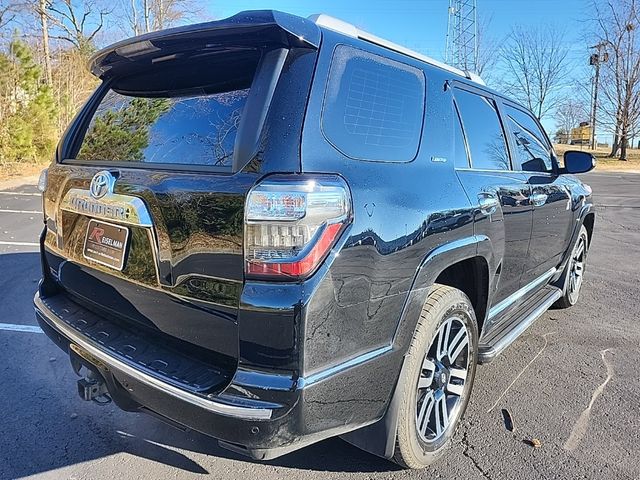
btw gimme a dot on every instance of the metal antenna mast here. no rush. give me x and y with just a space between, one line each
462 35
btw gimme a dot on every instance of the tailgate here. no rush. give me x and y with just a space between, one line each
182 266
145 204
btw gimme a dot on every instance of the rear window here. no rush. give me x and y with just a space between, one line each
373 106
191 129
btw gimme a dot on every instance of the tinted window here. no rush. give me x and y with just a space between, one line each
189 129
533 153
483 131
373 107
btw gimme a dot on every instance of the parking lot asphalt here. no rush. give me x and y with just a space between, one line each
572 381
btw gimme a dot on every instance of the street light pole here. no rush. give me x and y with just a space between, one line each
596 59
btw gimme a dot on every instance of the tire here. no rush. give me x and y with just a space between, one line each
574 277
423 434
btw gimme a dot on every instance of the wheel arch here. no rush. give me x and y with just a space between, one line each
469 254
471 276
587 219
589 222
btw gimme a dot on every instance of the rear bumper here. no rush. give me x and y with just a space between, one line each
310 409
57 322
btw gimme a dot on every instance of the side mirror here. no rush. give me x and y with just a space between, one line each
576 161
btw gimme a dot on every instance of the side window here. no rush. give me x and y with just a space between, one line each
373 106
533 152
483 131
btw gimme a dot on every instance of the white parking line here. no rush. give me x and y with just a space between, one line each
32 212
20 244
11 327
21 193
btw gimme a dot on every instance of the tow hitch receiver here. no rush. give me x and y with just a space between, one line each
92 385
90 388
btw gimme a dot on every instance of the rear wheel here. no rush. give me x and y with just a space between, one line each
576 266
438 376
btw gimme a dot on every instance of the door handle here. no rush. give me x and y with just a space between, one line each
488 203
538 199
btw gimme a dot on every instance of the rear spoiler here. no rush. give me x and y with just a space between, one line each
259 28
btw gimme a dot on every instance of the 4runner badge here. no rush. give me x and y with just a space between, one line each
101 184
99 201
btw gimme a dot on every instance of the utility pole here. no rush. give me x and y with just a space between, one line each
42 13
596 59
462 35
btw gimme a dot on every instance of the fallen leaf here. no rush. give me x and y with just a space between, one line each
534 442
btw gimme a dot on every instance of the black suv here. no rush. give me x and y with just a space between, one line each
276 230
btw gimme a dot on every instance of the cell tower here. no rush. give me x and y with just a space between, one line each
462 35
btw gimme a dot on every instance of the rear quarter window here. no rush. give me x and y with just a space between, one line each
373 106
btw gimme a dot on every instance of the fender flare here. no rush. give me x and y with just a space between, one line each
586 209
379 438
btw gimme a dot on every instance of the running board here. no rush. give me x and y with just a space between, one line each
521 319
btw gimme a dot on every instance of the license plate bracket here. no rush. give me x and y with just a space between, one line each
106 244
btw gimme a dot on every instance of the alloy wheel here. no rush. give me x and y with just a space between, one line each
576 272
442 381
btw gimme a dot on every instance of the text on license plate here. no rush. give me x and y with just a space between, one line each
106 243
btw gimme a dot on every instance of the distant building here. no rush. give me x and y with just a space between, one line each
581 135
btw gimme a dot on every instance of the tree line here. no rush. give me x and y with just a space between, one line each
45 45
44 49
534 65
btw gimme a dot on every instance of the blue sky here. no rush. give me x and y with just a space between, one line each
422 24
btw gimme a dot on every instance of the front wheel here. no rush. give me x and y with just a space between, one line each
438 375
576 265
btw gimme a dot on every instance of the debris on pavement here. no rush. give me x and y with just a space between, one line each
533 442
508 420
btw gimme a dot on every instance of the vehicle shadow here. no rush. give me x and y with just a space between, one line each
47 427
332 455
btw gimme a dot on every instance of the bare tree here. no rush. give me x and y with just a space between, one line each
144 16
617 27
487 50
7 13
570 112
535 67
77 25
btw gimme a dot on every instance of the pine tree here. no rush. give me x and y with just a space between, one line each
27 120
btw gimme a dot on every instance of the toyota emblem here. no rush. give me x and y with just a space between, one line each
101 184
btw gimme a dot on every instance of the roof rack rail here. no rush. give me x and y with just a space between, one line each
346 28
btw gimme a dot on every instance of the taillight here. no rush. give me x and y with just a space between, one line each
292 222
42 181
42 187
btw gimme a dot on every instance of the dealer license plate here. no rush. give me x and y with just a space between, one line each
106 244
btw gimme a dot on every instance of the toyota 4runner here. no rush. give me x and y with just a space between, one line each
276 230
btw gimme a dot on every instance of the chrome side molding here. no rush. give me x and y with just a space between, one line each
360 359
488 354
518 294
